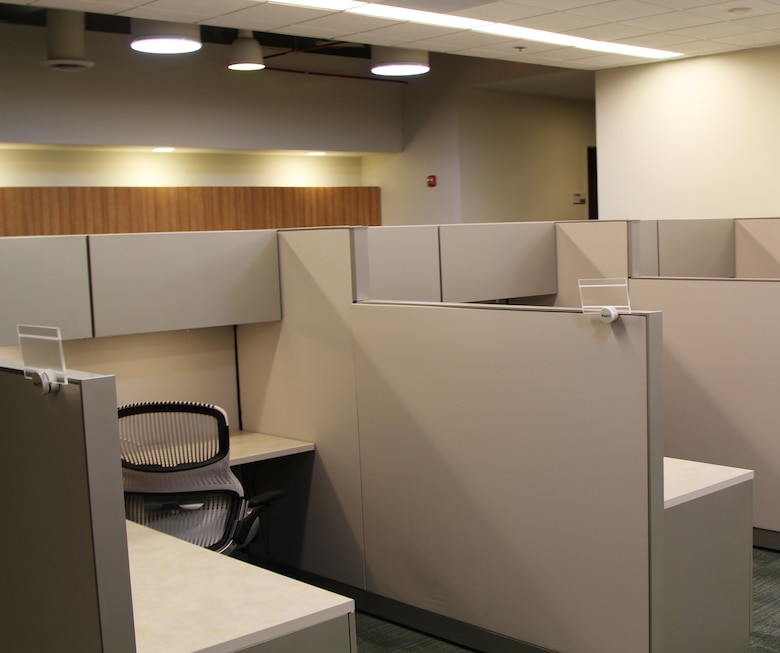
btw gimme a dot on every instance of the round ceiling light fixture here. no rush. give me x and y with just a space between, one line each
160 37
245 52
398 62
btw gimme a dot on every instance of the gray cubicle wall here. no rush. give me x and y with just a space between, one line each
401 263
512 470
66 580
683 248
149 282
721 376
44 280
588 250
297 380
757 248
482 262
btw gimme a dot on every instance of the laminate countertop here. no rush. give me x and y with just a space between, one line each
188 599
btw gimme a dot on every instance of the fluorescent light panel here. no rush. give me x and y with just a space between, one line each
401 14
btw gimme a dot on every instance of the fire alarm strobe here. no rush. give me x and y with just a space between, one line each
431 181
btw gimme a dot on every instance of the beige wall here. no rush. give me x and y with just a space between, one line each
72 166
497 156
188 101
522 158
696 138
187 365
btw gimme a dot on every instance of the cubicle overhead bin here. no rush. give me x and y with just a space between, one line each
482 262
683 248
402 262
44 280
757 248
588 250
512 470
185 280
66 575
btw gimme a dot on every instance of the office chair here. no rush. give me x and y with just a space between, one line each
177 478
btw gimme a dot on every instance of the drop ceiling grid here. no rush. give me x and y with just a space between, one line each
692 27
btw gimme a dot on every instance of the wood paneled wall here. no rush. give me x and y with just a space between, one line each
37 211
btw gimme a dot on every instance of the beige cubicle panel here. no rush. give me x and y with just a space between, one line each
757 245
482 262
512 470
588 250
721 376
44 281
696 248
402 263
643 248
166 281
66 575
297 380
190 365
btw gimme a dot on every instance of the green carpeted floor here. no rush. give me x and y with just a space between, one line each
377 636
765 636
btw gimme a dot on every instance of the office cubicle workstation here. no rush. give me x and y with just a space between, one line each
112 586
716 282
473 465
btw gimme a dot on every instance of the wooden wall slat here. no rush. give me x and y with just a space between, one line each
33 211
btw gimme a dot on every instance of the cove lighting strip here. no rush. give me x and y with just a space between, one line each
460 22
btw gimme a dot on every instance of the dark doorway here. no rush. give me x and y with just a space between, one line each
593 186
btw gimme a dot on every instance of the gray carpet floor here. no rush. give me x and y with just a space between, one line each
765 635
378 636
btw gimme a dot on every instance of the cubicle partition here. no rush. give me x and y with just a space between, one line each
721 375
66 574
512 470
757 248
716 282
588 250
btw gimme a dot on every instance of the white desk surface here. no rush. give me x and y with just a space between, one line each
249 447
187 599
685 480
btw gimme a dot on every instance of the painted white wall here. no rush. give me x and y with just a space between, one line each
697 138
497 157
484 147
46 166
522 157
431 148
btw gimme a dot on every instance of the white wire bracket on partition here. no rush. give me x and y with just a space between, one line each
42 356
607 298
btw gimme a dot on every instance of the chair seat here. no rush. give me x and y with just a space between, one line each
202 518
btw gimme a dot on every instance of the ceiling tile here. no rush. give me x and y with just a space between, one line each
610 32
669 21
501 12
767 21
720 11
619 10
406 32
752 39
346 24
560 22
100 7
203 7
267 17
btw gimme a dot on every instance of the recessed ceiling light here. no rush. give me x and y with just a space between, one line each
315 153
164 149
